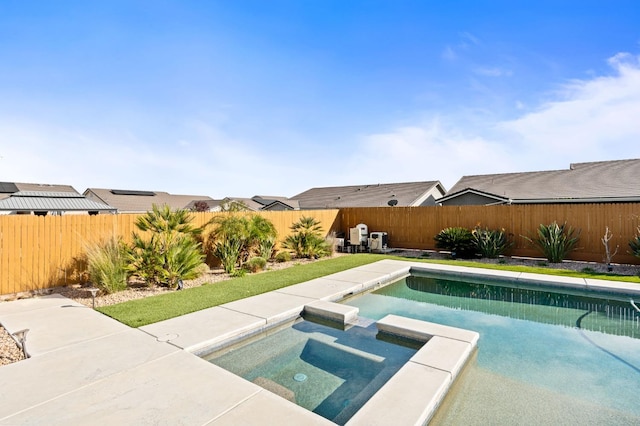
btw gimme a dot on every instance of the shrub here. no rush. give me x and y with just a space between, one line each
283 256
555 241
306 240
457 240
634 244
256 264
237 238
107 264
171 252
490 243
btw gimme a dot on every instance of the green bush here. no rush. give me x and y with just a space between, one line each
170 252
490 243
283 256
457 240
306 241
236 239
555 241
107 264
255 264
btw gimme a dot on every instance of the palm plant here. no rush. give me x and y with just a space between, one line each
171 252
555 241
262 235
306 240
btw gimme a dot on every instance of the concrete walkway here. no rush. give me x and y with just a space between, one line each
86 368
89 369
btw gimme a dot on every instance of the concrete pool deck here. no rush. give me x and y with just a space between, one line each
87 368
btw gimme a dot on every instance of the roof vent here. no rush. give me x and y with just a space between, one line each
128 192
392 203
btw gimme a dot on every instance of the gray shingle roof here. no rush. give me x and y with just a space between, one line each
595 181
141 201
27 201
376 195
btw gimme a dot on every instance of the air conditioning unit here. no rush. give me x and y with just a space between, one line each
378 241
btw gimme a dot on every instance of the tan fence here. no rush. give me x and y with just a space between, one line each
41 252
415 227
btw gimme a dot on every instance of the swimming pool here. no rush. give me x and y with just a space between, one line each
544 357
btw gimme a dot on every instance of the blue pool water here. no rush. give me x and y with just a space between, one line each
543 357
329 371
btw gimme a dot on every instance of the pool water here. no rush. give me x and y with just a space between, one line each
543 357
329 371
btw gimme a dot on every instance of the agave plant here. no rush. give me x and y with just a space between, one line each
555 241
490 243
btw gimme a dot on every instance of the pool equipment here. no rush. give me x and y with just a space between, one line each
378 241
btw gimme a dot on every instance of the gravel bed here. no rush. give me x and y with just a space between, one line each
10 352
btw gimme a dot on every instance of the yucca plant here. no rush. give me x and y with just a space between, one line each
490 243
107 265
555 241
457 240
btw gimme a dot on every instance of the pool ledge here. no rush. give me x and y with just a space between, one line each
413 394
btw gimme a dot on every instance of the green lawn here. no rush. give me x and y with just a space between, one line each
145 311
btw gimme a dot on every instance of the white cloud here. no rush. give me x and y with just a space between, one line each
590 120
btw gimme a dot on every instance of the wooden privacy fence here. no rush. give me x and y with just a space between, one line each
41 252
415 227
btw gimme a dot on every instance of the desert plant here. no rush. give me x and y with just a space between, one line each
634 244
107 265
262 236
170 253
306 240
237 238
555 241
255 264
457 240
283 256
490 243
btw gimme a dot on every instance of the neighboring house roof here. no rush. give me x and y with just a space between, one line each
135 201
274 202
262 202
28 197
409 194
604 181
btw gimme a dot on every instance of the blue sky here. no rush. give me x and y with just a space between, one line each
239 97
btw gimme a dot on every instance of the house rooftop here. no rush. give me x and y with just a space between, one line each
373 195
581 182
136 201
